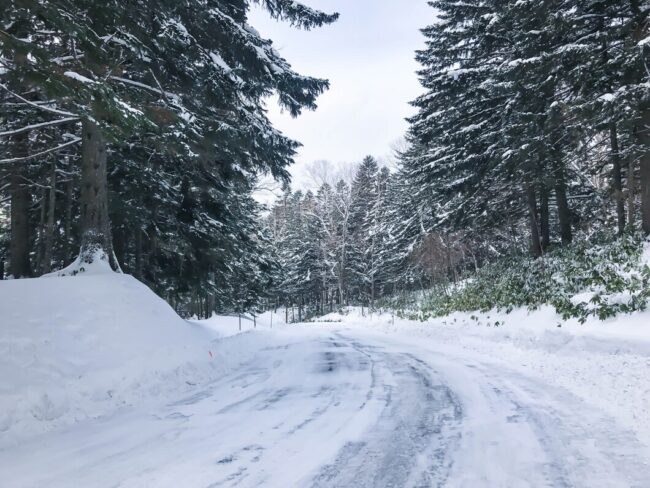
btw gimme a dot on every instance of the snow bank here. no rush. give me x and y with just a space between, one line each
607 363
73 348
229 325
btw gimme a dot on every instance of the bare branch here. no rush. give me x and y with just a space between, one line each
144 86
63 59
27 128
42 153
47 109
159 87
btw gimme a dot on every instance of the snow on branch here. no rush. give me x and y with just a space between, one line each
297 14
42 153
28 128
144 86
41 107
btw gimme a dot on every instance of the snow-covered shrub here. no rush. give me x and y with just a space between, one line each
600 276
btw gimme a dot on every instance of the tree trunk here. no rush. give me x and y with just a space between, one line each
96 241
617 179
643 134
138 253
149 250
535 243
544 222
19 263
564 215
639 32
120 245
645 192
40 248
49 228
644 171
631 196
69 197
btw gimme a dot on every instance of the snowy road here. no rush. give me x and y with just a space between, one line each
327 408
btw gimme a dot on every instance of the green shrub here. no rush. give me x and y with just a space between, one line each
597 276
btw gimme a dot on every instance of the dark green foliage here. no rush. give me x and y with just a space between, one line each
595 276
179 90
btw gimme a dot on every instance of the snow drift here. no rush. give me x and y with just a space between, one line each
77 347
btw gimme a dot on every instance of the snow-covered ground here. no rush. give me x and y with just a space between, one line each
103 385
606 363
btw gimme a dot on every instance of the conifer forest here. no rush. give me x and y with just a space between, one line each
135 132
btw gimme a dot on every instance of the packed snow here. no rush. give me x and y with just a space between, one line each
79 78
104 385
76 348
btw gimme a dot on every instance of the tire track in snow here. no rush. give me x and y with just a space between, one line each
413 437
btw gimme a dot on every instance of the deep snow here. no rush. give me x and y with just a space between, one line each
75 348
103 385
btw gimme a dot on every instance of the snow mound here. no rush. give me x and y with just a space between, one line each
230 325
73 348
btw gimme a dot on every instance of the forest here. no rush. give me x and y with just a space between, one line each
135 132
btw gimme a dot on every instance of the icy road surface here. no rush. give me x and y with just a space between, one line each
327 408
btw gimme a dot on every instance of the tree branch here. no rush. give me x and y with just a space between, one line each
159 87
143 86
27 128
39 154
47 109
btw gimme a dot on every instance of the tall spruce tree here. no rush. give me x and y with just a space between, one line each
191 76
172 98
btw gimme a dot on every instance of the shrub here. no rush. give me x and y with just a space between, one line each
598 276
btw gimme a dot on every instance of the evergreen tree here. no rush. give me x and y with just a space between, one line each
360 254
170 99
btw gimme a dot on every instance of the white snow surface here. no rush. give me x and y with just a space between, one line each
75 348
104 385
80 78
98 265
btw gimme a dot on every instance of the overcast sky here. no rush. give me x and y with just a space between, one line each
368 56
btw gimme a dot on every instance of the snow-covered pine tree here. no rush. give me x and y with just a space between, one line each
488 142
536 127
375 236
326 225
299 253
401 227
190 79
605 56
455 163
359 259
342 214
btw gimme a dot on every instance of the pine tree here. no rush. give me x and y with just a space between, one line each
150 67
363 197
177 94
343 202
